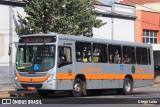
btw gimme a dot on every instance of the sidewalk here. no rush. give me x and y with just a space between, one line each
5 89
155 87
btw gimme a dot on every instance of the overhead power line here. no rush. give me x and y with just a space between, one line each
144 6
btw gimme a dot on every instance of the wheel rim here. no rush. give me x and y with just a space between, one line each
127 86
77 87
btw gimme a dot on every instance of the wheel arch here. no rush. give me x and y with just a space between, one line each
81 76
130 77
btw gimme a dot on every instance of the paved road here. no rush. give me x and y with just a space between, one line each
145 98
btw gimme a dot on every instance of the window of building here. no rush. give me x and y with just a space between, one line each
83 52
142 56
115 55
99 53
2 53
150 36
128 55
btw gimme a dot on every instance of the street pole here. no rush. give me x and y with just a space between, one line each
10 41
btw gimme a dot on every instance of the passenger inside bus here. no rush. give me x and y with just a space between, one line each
117 58
126 59
79 57
111 58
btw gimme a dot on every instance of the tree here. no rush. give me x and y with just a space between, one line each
75 17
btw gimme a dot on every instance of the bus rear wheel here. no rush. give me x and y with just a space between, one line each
77 88
127 87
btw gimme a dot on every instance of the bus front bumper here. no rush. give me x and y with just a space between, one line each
42 86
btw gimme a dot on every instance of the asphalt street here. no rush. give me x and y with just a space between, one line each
137 97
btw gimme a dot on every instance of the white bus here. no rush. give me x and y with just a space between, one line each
54 62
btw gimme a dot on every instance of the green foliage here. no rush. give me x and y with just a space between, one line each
61 16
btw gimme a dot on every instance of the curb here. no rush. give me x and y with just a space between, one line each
22 93
8 95
4 95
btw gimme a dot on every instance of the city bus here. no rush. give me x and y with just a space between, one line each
57 62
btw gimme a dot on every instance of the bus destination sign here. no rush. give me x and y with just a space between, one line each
38 39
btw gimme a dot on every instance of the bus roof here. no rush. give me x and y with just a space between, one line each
89 39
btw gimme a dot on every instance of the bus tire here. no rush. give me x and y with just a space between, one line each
127 87
77 88
43 93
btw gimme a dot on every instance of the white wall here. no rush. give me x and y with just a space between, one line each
123 30
104 31
4 30
120 29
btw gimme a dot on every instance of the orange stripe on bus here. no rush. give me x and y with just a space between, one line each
140 70
143 76
63 76
34 79
105 76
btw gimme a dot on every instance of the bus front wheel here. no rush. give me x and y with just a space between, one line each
77 87
127 87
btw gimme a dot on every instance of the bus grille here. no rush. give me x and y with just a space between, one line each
33 75
37 86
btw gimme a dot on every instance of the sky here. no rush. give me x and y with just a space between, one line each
107 1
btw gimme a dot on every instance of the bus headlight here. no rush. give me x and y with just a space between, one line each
16 79
50 78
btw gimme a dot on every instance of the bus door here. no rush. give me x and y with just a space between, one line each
65 66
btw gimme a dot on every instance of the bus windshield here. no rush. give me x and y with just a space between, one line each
35 58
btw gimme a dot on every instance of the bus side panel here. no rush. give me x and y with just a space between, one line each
146 71
94 84
117 82
141 83
93 73
110 84
65 84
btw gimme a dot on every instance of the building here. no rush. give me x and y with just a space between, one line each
140 2
148 26
8 23
117 17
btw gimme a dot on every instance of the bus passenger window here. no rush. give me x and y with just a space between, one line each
99 53
141 56
83 52
128 55
115 54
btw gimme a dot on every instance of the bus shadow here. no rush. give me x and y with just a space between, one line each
107 93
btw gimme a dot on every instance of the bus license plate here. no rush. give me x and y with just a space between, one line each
31 88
